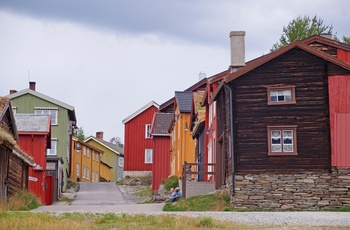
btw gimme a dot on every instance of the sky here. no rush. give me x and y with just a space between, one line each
109 58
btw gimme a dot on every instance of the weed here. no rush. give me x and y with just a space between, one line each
206 222
171 182
21 201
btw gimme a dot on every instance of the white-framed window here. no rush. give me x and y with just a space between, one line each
97 156
53 112
14 109
53 150
93 176
78 148
77 169
148 156
84 172
88 152
282 140
148 131
281 95
93 155
84 150
121 162
96 177
87 173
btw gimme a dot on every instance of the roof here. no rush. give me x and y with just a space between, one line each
86 144
296 44
141 110
32 123
197 128
161 123
108 145
184 101
23 156
166 105
71 111
197 85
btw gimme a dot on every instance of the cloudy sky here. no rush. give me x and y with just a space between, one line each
109 58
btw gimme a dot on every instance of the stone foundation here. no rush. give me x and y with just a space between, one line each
298 191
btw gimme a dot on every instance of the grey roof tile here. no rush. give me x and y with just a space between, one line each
161 124
184 101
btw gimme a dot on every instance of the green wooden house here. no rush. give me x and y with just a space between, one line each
63 120
112 155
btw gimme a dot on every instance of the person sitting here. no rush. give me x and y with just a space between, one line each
178 193
172 197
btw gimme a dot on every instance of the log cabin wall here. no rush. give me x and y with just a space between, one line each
15 175
4 154
310 113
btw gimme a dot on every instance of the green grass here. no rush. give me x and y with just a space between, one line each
211 202
27 220
21 201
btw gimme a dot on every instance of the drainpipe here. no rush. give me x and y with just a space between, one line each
232 141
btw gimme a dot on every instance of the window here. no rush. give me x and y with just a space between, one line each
84 172
97 156
53 112
77 169
88 152
93 176
87 173
281 95
121 162
148 131
53 150
14 110
93 154
96 177
84 150
148 156
282 140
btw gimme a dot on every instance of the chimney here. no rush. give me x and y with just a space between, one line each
12 91
32 85
237 50
202 76
329 36
99 135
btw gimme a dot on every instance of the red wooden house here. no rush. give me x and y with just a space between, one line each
161 151
283 123
34 133
138 144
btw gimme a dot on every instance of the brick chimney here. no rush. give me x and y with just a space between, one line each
12 91
99 135
32 85
237 50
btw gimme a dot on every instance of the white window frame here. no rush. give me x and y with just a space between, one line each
280 91
148 156
14 109
121 162
96 177
53 112
53 150
77 169
282 130
148 131
93 176
84 150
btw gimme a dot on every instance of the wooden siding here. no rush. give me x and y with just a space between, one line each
161 161
4 163
136 143
343 55
252 114
26 104
339 106
16 180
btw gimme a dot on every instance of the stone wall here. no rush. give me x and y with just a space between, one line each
298 191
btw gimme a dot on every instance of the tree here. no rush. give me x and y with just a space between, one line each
304 27
79 133
116 141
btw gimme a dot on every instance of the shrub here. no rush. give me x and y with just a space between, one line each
171 182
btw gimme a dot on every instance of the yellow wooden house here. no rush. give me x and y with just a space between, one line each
182 146
86 165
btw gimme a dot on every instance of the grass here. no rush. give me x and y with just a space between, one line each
219 201
21 201
27 220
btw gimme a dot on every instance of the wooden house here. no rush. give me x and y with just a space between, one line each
161 151
14 163
138 144
86 162
282 118
63 119
112 157
34 137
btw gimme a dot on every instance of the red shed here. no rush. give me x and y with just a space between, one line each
161 151
34 137
138 145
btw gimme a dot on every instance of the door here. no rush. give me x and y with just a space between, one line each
4 162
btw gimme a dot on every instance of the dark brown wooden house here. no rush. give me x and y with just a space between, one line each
14 163
275 124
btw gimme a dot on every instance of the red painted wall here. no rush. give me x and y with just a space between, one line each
35 145
161 161
135 142
339 108
343 55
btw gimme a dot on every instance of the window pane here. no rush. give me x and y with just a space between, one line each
276 148
287 148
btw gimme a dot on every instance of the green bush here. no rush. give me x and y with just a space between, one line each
171 182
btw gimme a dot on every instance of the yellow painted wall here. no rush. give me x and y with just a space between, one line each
105 172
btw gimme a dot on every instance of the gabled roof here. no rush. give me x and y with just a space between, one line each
70 108
22 155
166 105
326 41
161 124
86 144
33 123
184 101
6 115
296 44
138 112
106 144
198 85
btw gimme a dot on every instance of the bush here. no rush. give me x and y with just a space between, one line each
171 182
22 201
